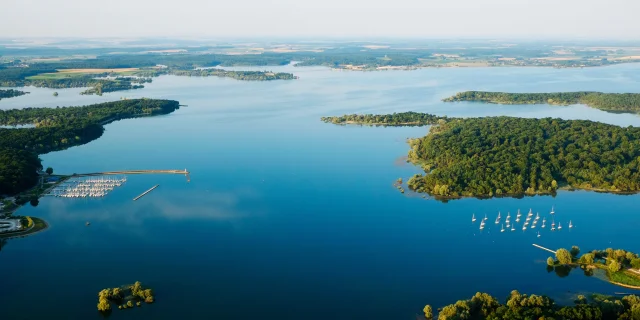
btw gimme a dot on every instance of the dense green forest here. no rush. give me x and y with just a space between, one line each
522 307
515 156
11 93
58 129
621 102
395 119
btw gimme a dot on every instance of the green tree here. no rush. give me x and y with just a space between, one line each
49 170
104 305
428 312
587 258
575 251
635 263
563 256
550 261
614 266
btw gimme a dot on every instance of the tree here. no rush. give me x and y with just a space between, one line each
34 202
49 171
563 256
635 263
55 94
575 251
550 261
587 258
104 305
428 312
614 266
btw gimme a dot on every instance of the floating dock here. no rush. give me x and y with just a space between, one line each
145 193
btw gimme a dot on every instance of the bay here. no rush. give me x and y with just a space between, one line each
288 217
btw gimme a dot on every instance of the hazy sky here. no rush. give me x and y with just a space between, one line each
321 18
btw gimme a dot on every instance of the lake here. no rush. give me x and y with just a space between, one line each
286 217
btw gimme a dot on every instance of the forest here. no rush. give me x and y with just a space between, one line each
4 94
58 129
495 156
522 307
615 102
395 119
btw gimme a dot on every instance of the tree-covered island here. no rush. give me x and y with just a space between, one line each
499 156
4 94
395 119
125 297
57 129
613 102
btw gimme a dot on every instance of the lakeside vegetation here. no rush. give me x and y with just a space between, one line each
395 119
615 102
622 267
494 156
238 75
523 306
57 129
124 297
5 94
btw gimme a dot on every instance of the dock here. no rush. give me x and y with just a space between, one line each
145 193
543 248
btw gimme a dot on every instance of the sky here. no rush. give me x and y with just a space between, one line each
321 18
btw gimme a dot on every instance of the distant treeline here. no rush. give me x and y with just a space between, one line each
11 93
395 119
58 129
238 75
622 102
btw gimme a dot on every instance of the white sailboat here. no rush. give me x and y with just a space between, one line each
481 225
552 212
502 230
533 225
553 225
538 234
530 213
513 227
544 220
473 218
519 214
498 218
537 216
570 225
485 217
559 226
507 220
524 227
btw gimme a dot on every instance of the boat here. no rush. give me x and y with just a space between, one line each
498 218
553 225
530 212
544 220
485 217
524 227
502 230
473 218
552 212
533 225
537 216
559 226
481 225
513 227
570 225
538 234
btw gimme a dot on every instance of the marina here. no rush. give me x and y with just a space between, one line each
90 187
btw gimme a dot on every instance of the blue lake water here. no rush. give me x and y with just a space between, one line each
286 217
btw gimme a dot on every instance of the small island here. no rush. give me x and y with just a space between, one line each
124 297
612 102
523 306
622 267
506 156
238 75
5 94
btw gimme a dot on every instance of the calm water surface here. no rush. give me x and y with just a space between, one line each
286 217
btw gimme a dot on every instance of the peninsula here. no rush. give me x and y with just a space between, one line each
613 102
4 94
505 156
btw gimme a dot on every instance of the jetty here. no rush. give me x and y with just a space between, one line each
145 193
543 248
123 172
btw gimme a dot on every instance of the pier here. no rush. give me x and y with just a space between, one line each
145 193
131 172
543 248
